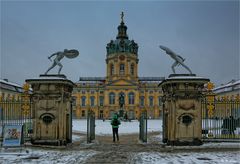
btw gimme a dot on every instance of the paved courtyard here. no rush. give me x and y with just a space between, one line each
128 150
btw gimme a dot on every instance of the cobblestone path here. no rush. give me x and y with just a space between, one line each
123 151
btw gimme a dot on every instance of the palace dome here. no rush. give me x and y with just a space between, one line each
122 44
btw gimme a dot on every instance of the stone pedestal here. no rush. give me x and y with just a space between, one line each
182 119
121 112
52 110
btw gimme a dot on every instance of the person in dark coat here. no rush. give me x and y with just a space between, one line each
115 125
229 124
232 125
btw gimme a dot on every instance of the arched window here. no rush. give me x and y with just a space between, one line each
151 101
132 69
83 101
83 113
111 69
101 100
111 98
122 69
131 98
142 101
92 99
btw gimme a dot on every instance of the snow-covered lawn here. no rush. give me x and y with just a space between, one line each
104 127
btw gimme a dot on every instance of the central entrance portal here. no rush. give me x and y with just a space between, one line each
106 126
121 104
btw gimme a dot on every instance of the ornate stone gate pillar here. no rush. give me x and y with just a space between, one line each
182 119
52 111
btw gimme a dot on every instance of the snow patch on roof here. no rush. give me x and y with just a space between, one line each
185 77
10 83
48 78
229 84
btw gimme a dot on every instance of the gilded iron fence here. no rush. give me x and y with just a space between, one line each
90 126
143 126
16 112
221 118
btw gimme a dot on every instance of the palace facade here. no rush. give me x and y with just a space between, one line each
101 94
10 90
231 89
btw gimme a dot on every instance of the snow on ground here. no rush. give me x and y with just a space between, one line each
221 144
179 158
104 127
43 156
76 138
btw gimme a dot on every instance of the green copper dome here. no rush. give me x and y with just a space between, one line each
122 43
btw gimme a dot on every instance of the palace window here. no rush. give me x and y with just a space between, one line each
83 113
142 101
83 100
151 101
92 99
111 98
3 96
132 69
111 69
101 114
101 100
122 69
83 92
131 98
92 91
8 96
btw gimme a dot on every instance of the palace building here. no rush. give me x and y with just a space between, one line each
101 94
10 90
231 89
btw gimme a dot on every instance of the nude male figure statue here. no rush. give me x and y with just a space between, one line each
178 59
59 56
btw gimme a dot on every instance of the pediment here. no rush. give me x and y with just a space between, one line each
122 82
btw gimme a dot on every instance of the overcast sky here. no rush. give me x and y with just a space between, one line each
205 33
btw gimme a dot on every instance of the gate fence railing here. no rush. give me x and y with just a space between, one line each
143 127
90 126
220 122
221 118
16 112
